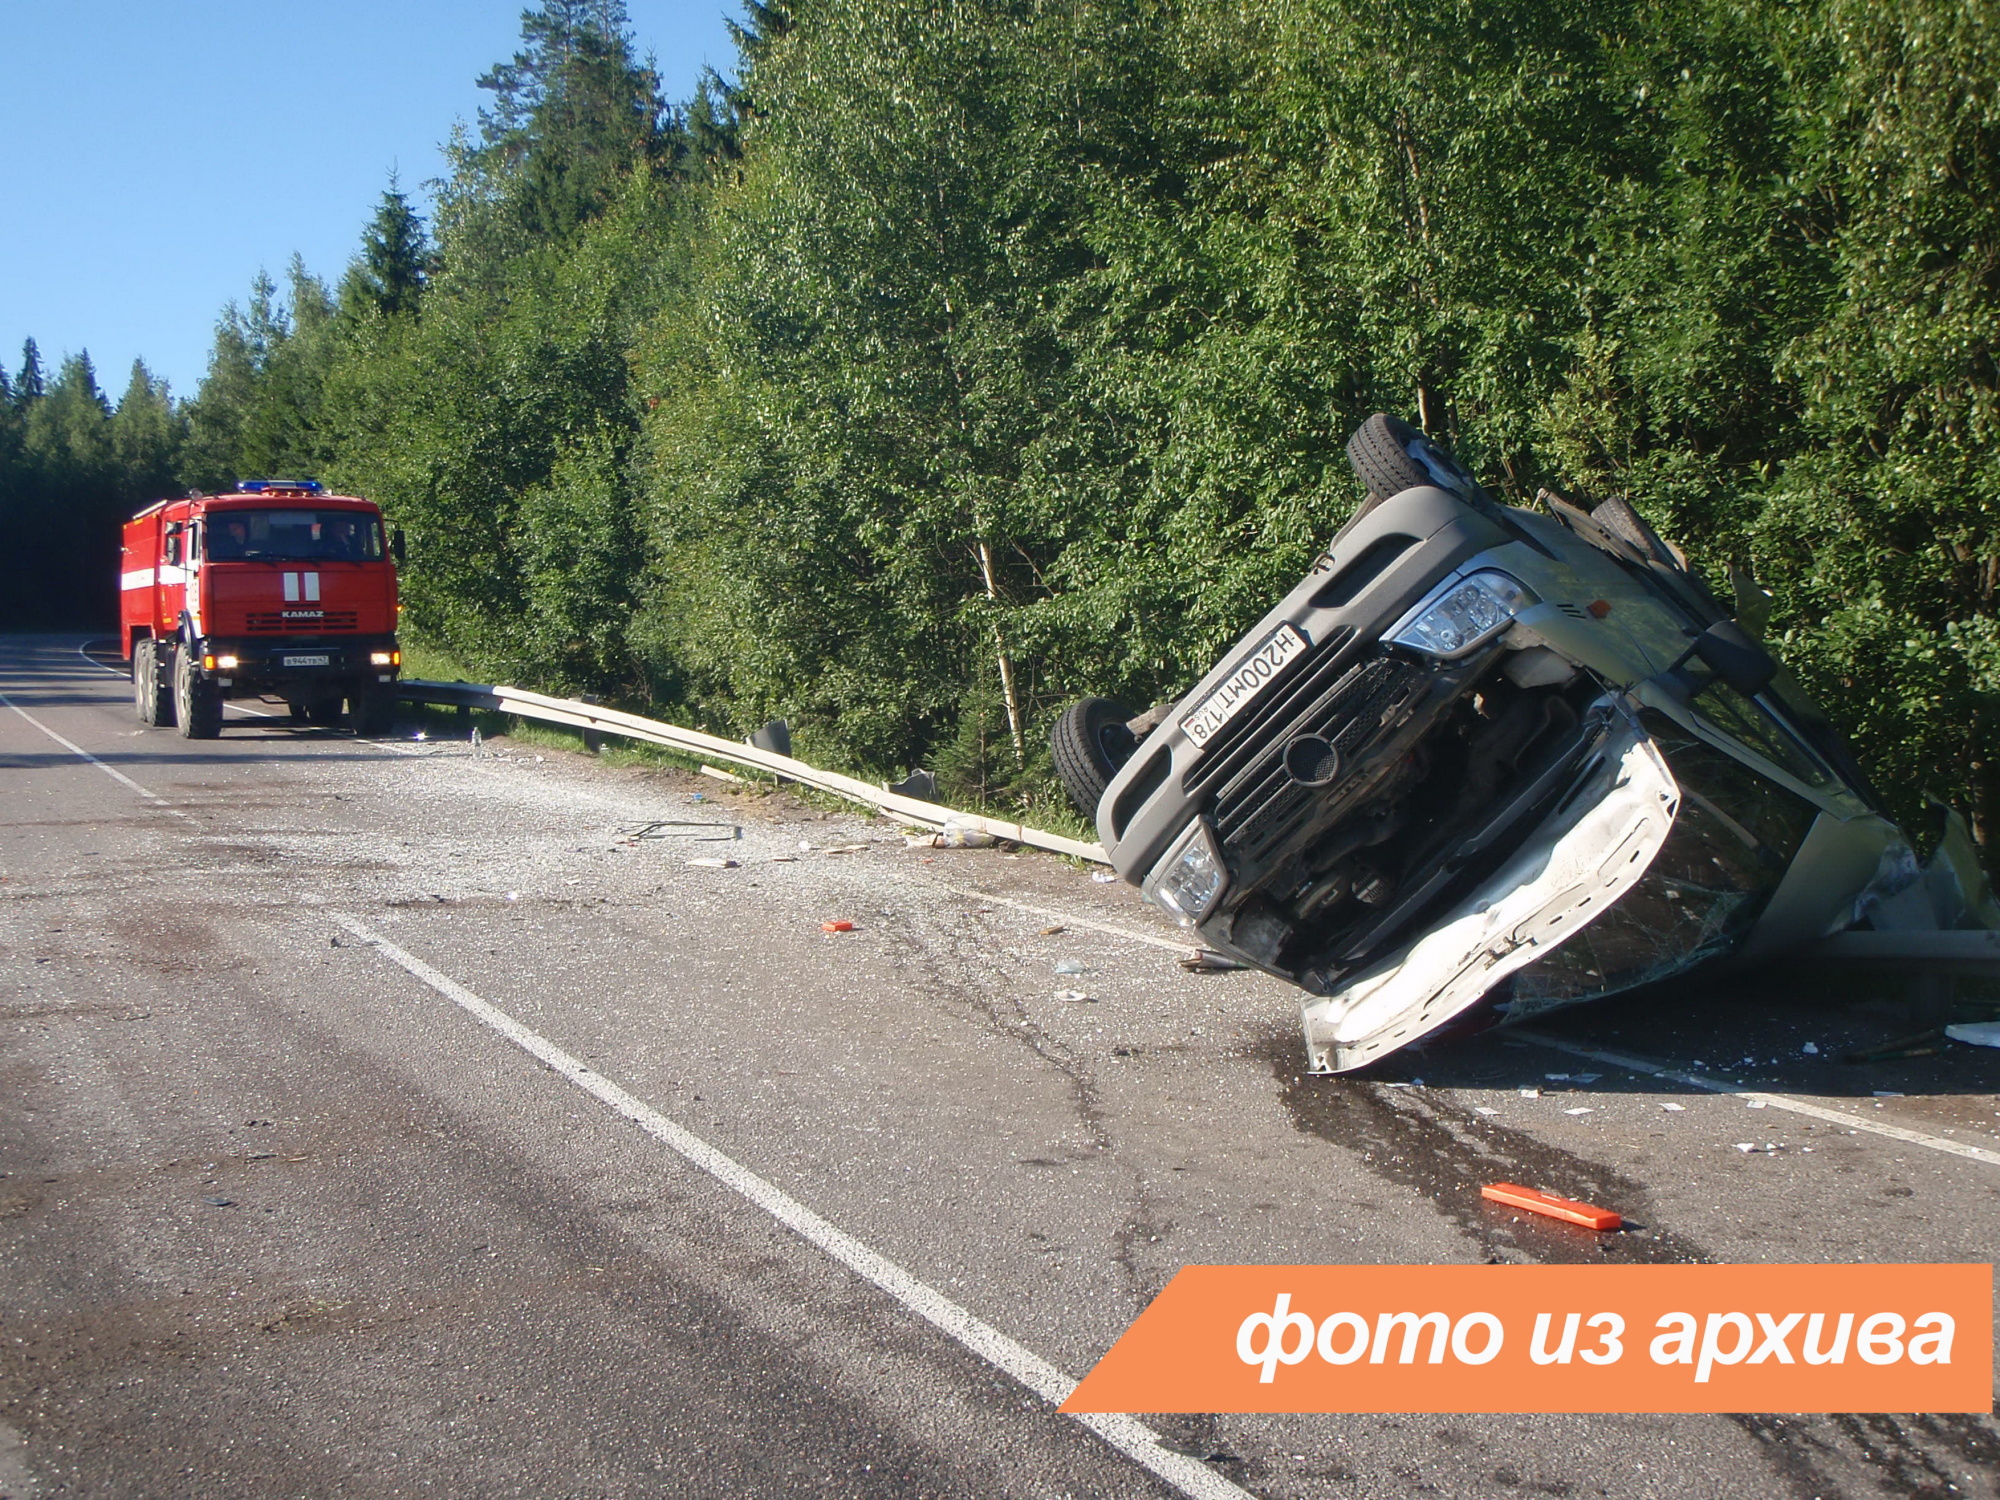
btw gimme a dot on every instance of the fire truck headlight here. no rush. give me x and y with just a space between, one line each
382 658
223 664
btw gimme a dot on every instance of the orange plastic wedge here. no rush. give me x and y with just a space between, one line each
1515 1196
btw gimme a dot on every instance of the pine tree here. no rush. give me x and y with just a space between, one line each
573 112
29 388
146 437
388 275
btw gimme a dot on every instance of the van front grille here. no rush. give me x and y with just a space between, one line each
1261 806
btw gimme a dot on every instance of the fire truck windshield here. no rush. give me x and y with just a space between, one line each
292 536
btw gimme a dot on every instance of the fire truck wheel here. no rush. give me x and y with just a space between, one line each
152 684
373 713
197 704
142 689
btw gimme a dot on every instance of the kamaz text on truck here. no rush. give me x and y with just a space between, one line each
277 590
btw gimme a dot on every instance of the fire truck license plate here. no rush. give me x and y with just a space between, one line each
308 661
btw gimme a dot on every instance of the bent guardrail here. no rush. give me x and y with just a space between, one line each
591 716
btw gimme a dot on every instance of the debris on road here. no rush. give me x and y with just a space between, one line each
721 775
713 864
1070 966
1569 1211
1919 1044
680 828
1205 961
842 925
1976 1033
1669 1104
1103 877
919 784
1076 997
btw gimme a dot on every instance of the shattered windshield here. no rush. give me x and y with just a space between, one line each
1732 841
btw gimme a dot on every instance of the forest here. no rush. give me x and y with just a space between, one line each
948 359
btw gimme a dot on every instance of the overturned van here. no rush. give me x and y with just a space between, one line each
1482 762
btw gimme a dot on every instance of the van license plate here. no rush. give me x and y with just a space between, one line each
308 661
1242 687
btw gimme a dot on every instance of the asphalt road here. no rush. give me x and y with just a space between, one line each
284 1212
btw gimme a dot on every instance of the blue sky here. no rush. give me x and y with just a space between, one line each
163 152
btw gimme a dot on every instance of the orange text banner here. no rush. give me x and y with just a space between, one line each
1890 1338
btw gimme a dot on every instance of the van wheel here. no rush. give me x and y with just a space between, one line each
1622 521
197 704
1390 456
1091 744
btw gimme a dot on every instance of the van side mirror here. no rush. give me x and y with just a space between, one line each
396 543
1731 653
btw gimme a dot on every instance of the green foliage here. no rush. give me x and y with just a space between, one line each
72 467
951 360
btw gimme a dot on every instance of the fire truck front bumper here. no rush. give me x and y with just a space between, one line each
302 668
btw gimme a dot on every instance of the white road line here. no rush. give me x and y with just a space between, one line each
114 671
113 772
1183 947
1656 1069
1134 1439
1649 1066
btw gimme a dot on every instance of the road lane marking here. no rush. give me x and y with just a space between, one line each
1132 1438
1655 1069
83 651
1649 1066
112 771
1183 947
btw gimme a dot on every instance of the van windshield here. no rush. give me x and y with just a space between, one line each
292 536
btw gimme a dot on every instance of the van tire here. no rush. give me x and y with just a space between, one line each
1091 744
1622 521
1380 454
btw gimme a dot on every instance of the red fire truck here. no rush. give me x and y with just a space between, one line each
277 590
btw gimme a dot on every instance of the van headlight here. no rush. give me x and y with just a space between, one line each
1462 616
1190 880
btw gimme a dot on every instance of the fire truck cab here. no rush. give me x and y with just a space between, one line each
276 590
